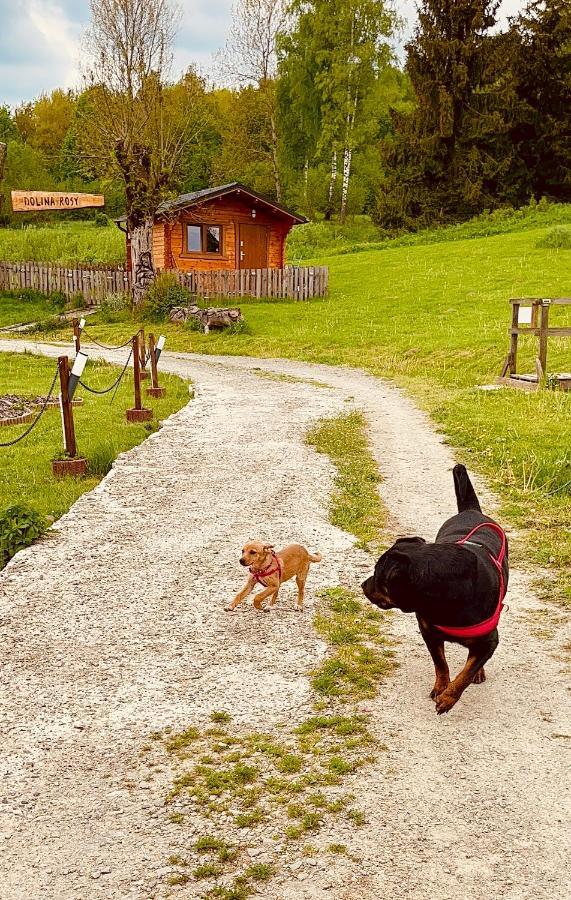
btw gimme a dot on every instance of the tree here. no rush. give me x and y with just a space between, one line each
129 127
542 76
452 156
249 58
338 48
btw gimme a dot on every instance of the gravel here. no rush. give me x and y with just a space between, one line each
113 628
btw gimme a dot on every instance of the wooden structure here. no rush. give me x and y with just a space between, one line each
94 283
40 201
531 317
230 228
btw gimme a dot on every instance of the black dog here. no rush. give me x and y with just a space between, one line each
455 586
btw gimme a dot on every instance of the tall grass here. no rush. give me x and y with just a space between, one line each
69 242
330 239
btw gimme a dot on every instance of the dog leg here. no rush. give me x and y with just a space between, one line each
436 649
300 581
241 595
479 653
480 676
263 595
274 599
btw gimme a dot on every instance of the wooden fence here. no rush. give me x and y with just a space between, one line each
95 282
295 282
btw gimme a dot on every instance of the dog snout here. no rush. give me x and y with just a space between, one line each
243 561
368 588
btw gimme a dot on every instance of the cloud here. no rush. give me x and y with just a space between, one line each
41 40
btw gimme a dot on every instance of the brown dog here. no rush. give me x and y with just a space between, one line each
271 569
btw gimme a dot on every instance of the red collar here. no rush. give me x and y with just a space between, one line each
259 574
483 628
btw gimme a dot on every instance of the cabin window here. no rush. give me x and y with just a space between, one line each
203 239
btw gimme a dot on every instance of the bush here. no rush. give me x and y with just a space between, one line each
558 238
165 293
100 220
57 300
20 526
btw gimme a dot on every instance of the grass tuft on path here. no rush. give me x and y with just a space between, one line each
355 503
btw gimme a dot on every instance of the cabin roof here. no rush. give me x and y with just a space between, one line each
235 187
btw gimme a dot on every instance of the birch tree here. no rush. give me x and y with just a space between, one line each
348 43
250 58
129 126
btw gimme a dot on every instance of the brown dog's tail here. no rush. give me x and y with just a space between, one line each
315 557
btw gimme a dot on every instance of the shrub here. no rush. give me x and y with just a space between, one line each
19 527
57 300
100 220
558 238
162 295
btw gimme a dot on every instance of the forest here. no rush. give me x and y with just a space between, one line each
310 106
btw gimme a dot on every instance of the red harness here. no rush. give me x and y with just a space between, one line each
259 574
483 628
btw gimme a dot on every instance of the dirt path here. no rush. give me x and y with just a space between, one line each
114 628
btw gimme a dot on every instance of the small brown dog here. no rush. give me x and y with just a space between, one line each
271 569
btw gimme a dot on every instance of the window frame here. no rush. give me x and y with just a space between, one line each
204 226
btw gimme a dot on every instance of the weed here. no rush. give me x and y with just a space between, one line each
220 716
207 870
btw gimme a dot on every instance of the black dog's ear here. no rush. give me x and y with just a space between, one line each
410 540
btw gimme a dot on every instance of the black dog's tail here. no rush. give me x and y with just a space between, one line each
465 493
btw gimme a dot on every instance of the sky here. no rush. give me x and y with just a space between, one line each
41 40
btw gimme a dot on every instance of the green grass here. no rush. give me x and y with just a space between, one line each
19 310
433 316
101 432
355 504
331 238
67 242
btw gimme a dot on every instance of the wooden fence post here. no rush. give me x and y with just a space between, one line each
71 464
154 390
138 413
76 335
541 361
143 355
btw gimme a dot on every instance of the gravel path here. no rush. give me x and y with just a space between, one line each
113 628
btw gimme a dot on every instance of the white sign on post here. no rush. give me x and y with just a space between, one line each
524 315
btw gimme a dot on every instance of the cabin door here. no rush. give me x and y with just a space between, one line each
252 247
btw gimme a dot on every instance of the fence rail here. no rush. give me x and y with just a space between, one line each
95 282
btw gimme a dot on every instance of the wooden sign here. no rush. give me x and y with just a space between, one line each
40 201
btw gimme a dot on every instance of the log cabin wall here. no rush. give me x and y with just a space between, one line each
228 212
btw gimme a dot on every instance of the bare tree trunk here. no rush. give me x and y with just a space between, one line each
332 181
143 267
347 157
305 182
275 165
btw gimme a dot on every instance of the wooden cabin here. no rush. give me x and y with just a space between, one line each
228 227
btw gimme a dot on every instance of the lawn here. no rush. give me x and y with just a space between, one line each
100 425
434 318
67 242
19 309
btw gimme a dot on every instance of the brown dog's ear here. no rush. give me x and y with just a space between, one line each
269 546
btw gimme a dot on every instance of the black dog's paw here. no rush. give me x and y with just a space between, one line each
479 677
439 688
445 701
